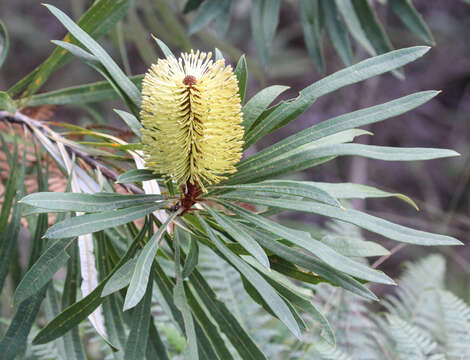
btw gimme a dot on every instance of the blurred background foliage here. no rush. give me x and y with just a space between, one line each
286 56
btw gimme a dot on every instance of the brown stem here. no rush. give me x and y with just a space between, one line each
19 118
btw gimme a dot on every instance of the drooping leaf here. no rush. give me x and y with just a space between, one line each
268 294
407 13
207 12
131 121
336 30
140 276
311 19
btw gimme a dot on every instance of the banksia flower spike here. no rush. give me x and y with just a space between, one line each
191 117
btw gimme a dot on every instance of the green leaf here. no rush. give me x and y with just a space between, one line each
75 313
131 121
192 5
86 224
11 186
97 21
241 236
207 12
303 157
372 27
289 110
141 274
354 247
135 175
407 13
120 279
58 202
305 189
357 191
222 22
16 336
338 34
225 319
295 296
52 259
319 249
299 258
272 299
190 351
192 258
241 72
353 24
6 103
311 19
116 73
383 152
165 49
4 43
258 104
331 126
71 339
139 327
264 21
82 94
363 220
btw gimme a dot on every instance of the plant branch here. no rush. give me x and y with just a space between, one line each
19 118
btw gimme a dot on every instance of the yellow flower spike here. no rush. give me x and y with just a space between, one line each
191 117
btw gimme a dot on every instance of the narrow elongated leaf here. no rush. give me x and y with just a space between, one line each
242 237
268 294
311 19
53 258
207 12
366 221
165 49
264 21
357 191
338 34
192 5
155 347
372 27
141 274
331 126
179 296
322 251
116 73
139 332
353 24
135 175
192 258
97 21
297 188
258 104
86 224
300 258
354 247
288 111
15 338
225 319
295 297
10 188
4 43
407 13
58 202
71 339
81 94
120 279
384 152
131 121
213 333
79 311
241 72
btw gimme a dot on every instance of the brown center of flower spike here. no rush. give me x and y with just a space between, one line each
189 80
